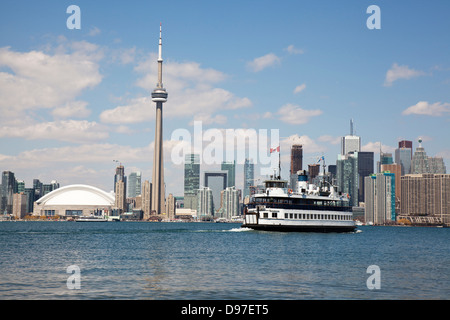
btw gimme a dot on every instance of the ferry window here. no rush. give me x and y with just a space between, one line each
291 215
274 214
285 215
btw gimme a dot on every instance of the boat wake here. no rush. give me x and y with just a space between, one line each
238 230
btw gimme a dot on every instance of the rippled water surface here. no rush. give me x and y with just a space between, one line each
141 260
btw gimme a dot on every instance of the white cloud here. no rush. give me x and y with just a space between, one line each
191 91
424 108
94 31
292 50
375 148
63 130
209 119
330 139
400 72
263 62
72 109
309 145
49 81
293 114
300 88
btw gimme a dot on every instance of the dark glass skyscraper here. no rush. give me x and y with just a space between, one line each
6 192
231 168
191 180
249 176
365 169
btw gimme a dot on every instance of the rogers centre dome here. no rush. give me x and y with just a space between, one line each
74 200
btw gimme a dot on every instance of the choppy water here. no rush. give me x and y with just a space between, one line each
141 260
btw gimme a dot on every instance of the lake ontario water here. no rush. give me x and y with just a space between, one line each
219 261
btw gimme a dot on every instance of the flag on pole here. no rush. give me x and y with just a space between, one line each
277 149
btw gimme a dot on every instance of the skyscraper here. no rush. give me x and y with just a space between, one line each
403 157
365 168
147 199
120 175
7 191
350 143
395 169
296 163
421 163
134 184
159 96
204 203
229 205
380 198
249 176
426 196
191 180
231 168
347 176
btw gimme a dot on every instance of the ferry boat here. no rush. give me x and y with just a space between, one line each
310 208
91 218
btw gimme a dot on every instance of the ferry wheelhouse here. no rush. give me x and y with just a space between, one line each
308 209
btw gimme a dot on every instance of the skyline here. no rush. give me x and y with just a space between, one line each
305 69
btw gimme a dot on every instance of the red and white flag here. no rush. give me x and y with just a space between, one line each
275 149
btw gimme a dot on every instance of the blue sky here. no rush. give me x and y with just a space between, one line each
72 101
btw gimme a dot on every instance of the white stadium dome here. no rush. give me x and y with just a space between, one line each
74 199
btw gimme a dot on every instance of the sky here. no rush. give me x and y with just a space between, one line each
76 102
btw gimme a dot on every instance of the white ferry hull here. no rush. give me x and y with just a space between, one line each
297 225
300 228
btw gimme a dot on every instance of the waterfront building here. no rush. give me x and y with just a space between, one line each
120 197
296 163
347 176
230 167
170 207
425 197
147 199
191 180
159 96
249 176
7 190
365 169
380 198
421 163
216 181
230 203
73 201
205 207
20 205
313 170
30 199
396 169
134 184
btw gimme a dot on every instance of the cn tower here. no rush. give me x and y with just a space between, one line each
159 95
